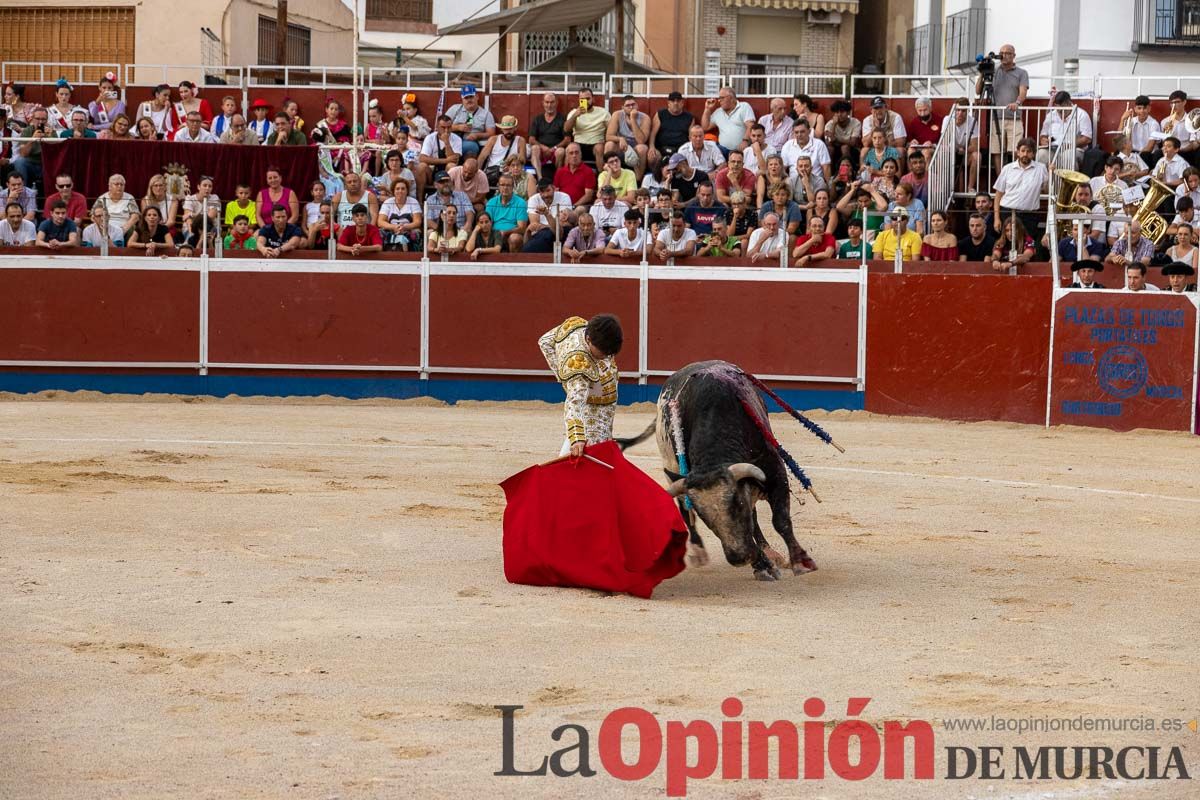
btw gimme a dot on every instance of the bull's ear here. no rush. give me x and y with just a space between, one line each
677 488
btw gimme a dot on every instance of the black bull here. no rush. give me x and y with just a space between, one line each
730 466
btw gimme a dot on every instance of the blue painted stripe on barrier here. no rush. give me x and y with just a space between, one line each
450 391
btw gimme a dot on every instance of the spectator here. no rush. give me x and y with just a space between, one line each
983 204
786 211
484 239
773 173
733 178
58 113
409 115
77 207
444 195
755 156
58 231
280 236
119 206
1019 186
1013 247
161 113
1085 274
684 179
659 216
804 144
1133 167
884 119
1185 249
776 126
630 240
821 209
320 230
353 194
805 183
119 129
700 212
1133 248
547 139
28 161
608 212
888 180
509 213
1108 187
275 193
143 130
1177 275
470 180
1190 187
804 107
244 206
923 130
622 180
156 195
394 170
443 148
196 204
1010 85
312 209
719 243
854 247
741 218
193 130
360 236
731 118
524 181
669 129
284 132
878 154
1084 248
917 177
675 240
14 101
702 154
815 246
21 195
221 122
629 135
1141 125
241 236
101 228
978 243
499 148
966 143
1135 278
108 104
78 126
190 101
897 236
769 241
543 209
939 244
336 128
293 111
470 121
150 234
400 219
16 230
916 209
656 181
864 203
1054 127
199 233
1174 124
260 123
843 133
446 237
585 241
1170 167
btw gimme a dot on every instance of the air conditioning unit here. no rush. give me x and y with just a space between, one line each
824 18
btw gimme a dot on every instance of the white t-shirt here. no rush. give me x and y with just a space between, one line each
665 236
815 149
620 240
964 133
312 212
750 158
707 160
609 217
203 137
536 205
1022 187
91 234
393 212
771 248
898 129
26 233
731 126
430 146
1055 124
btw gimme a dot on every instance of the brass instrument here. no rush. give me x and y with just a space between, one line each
1064 203
1191 121
1169 125
1111 198
1154 226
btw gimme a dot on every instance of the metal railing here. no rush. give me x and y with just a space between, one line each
154 74
784 81
526 82
965 32
424 78
50 72
942 171
412 10
1167 23
988 122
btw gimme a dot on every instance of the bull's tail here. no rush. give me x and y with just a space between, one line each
625 444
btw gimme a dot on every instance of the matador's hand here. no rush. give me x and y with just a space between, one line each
577 449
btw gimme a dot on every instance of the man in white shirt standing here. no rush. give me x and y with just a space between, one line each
1019 187
1054 127
777 126
804 144
731 117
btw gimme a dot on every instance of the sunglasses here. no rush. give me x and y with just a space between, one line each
63 185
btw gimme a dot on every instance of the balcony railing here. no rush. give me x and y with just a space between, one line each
1167 23
919 50
965 36
411 10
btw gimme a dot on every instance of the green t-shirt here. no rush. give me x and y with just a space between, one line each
877 219
726 249
851 250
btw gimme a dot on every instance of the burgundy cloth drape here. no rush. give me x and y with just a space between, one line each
90 162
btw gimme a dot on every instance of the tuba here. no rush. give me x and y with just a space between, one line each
1064 203
1154 226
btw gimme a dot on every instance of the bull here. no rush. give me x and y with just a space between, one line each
730 466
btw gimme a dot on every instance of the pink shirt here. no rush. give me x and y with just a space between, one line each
265 205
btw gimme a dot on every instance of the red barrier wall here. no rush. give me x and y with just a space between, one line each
311 318
958 346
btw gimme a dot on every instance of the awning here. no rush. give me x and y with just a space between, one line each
849 6
538 15
580 57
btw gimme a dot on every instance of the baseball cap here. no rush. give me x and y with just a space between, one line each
674 96
899 212
676 160
468 90
878 102
441 175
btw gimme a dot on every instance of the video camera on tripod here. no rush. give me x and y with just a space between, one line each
986 67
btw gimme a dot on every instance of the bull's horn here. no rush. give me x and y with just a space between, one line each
743 471
676 488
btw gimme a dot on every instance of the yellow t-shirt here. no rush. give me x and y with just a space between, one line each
233 209
627 182
885 245
590 128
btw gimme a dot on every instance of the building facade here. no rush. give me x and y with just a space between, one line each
404 32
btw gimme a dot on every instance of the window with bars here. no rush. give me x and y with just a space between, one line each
60 39
918 50
299 44
965 32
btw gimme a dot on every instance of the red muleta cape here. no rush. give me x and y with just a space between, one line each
577 523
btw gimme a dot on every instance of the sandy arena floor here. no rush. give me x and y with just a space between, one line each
238 599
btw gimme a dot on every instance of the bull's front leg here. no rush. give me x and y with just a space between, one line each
776 557
764 570
696 555
781 519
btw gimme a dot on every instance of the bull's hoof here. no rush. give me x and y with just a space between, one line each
804 565
776 558
769 574
696 556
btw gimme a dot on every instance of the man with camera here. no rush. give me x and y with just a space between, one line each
1008 85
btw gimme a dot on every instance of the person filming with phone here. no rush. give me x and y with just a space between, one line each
588 125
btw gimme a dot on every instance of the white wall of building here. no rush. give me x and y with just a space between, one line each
445 12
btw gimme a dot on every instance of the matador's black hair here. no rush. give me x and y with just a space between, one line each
604 331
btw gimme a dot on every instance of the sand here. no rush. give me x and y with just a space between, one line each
242 599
